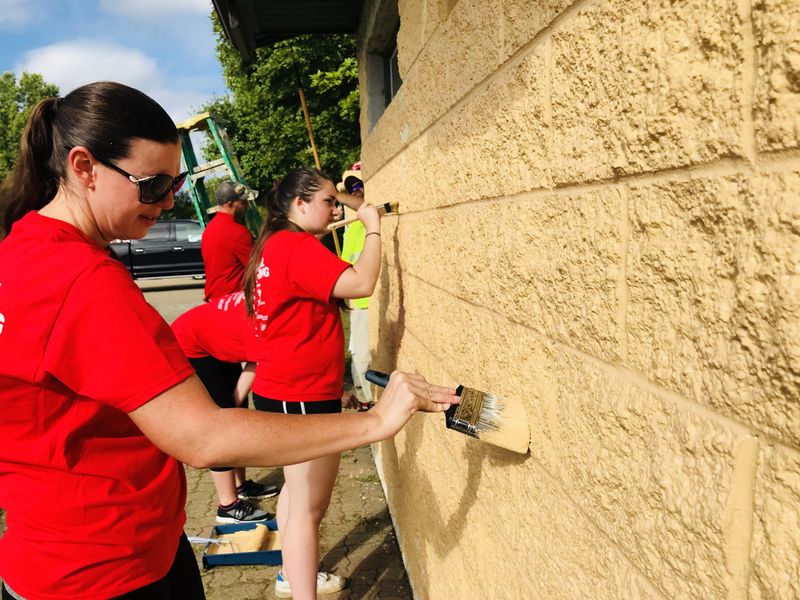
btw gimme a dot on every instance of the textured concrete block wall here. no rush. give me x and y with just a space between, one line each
600 216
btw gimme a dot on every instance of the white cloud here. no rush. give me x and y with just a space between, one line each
78 62
74 63
145 9
16 13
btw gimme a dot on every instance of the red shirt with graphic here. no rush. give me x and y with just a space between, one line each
220 328
93 508
226 247
301 340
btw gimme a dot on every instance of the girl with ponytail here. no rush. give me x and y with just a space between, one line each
90 465
292 286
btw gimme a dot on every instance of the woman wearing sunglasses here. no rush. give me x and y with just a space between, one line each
97 402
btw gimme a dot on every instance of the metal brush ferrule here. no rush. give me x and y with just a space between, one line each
463 417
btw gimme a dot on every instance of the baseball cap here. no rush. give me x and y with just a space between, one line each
228 192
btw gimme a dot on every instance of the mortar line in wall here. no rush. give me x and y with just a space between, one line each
778 160
631 376
561 487
767 163
537 39
622 278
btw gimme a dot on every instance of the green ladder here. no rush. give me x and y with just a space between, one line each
203 205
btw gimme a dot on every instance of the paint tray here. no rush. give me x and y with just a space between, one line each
244 544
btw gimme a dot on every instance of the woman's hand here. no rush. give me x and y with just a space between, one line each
370 217
406 394
349 200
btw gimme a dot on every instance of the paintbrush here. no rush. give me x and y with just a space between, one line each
388 207
486 417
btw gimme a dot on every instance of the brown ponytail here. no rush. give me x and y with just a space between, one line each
32 183
104 117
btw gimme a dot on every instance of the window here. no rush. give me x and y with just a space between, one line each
382 81
391 74
188 232
158 232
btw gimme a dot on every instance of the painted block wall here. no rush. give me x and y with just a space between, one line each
600 217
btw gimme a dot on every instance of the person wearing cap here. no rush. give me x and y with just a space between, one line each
226 243
359 315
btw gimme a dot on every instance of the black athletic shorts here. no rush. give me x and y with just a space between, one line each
219 377
320 407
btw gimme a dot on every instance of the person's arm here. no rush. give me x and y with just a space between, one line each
185 423
359 280
349 200
244 383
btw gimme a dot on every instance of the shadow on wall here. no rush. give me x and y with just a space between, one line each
390 332
411 483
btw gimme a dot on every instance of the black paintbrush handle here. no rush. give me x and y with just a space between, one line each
377 377
382 379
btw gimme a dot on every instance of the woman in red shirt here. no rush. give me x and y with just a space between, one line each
97 402
217 337
292 284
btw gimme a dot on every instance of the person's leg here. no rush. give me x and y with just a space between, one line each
220 378
310 485
225 484
239 476
360 354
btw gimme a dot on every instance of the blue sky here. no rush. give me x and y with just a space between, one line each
163 47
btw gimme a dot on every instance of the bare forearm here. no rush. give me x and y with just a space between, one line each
183 422
269 439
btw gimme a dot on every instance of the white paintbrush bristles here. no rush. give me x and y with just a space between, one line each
503 422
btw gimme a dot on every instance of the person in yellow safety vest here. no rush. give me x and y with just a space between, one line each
359 316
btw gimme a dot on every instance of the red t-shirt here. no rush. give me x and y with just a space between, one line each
220 328
93 508
226 246
301 341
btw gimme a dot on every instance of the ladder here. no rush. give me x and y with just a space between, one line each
203 205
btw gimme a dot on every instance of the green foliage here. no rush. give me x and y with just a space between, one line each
183 208
17 99
263 115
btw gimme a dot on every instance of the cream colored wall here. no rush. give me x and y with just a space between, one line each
600 217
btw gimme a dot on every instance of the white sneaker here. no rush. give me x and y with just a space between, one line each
327 583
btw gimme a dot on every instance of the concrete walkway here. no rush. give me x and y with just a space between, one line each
357 539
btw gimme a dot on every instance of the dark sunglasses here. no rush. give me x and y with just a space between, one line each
356 187
153 188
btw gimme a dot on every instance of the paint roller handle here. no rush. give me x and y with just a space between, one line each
343 223
377 377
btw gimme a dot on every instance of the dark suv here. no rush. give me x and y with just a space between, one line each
169 249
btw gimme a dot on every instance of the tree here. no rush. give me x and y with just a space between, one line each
17 99
263 116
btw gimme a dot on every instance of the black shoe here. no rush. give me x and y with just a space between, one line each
242 512
251 489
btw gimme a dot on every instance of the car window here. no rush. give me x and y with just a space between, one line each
158 232
188 232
